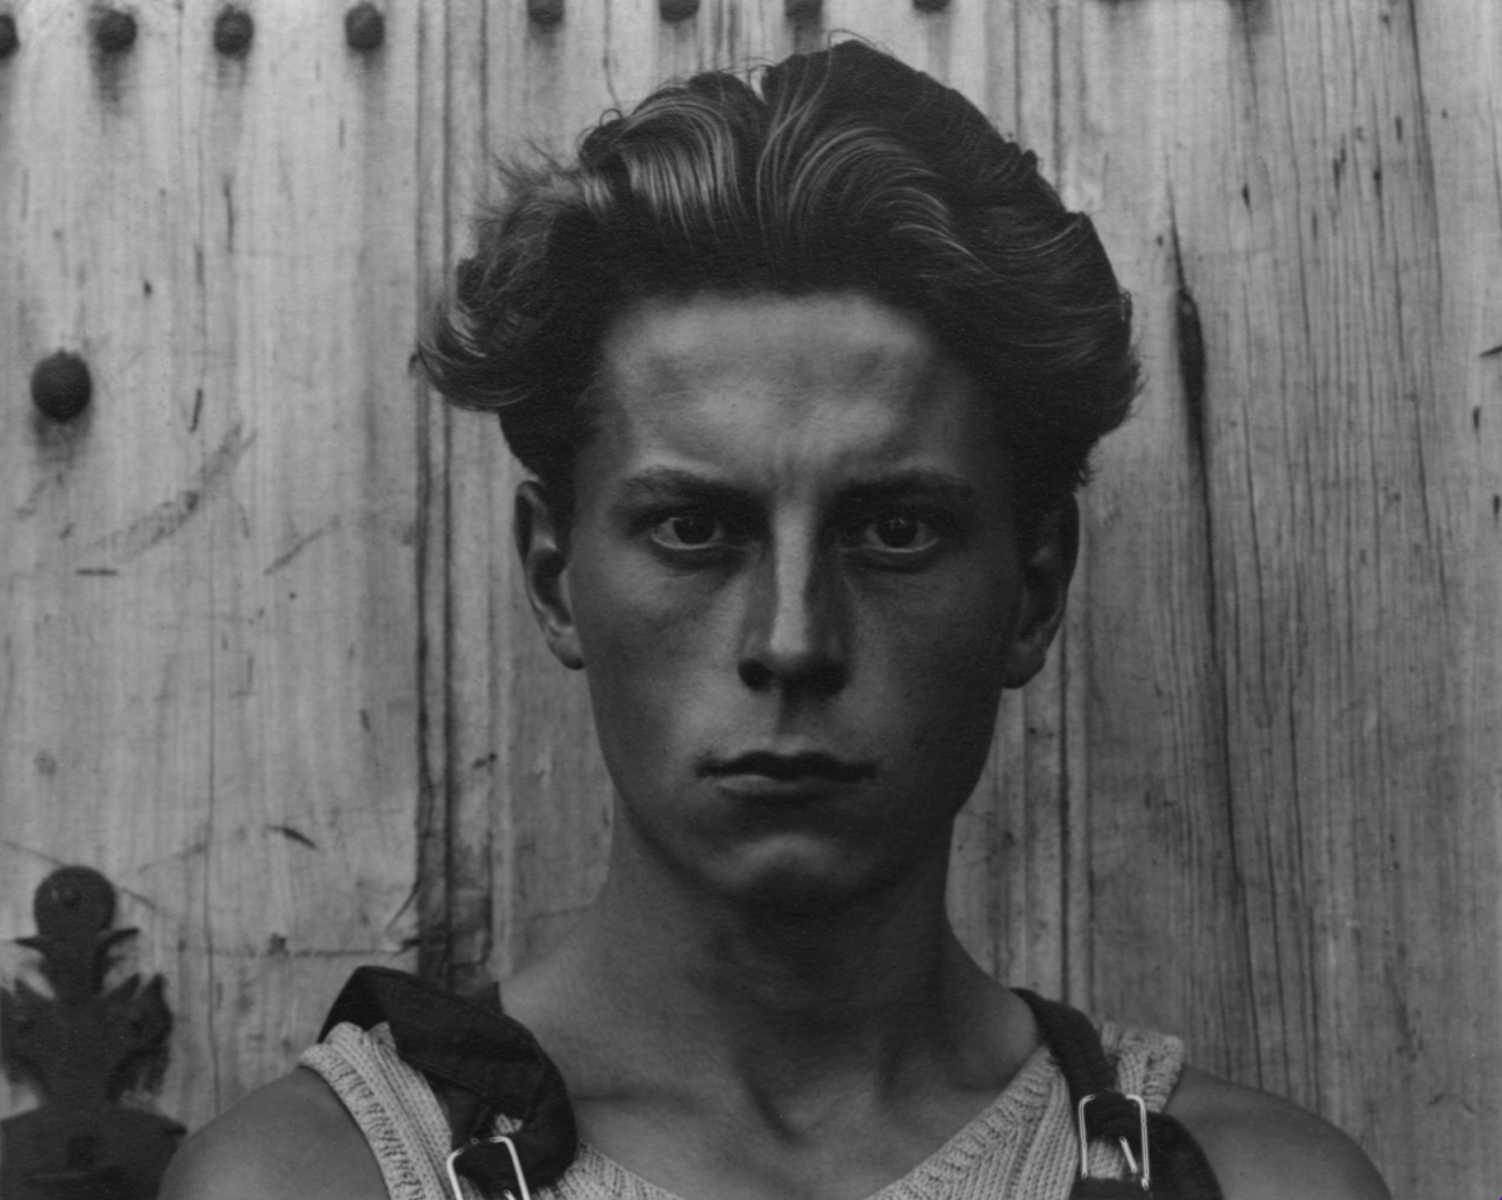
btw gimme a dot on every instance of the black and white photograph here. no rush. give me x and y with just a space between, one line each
750 599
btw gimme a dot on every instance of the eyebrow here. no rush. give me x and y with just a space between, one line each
914 483
671 483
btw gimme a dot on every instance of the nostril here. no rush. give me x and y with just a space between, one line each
825 678
755 675
810 676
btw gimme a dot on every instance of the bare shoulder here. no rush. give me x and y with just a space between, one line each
292 1137
1266 1148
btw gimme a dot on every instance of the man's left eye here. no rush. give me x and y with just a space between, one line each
690 531
897 533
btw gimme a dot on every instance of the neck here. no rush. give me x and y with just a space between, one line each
663 984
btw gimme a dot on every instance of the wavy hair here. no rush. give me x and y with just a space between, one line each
842 169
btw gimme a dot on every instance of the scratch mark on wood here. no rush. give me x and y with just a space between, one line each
412 897
197 411
96 571
171 515
1190 342
52 860
229 214
34 497
278 946
331 952
28 850
298 547
1252 15
1492 353
293 835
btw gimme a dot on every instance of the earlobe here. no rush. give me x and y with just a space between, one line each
1046 572
542 545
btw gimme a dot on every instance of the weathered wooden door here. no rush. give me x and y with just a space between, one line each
211 595
265 661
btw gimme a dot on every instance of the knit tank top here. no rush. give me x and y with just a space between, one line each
1022 1146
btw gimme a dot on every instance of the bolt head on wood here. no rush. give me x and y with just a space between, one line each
234 30
61 387
546 13
9 41
114 31
677 10
364 28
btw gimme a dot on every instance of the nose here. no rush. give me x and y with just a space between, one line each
796 638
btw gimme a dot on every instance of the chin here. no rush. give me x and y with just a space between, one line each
800 883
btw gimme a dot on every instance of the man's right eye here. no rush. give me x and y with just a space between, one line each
690 531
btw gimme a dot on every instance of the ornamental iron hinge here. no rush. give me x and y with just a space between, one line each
82 1048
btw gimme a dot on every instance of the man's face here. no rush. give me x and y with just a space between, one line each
794 582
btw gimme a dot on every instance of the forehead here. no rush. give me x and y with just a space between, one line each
835 376
845 339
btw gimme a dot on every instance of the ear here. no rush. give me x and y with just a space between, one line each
1046 573
542 544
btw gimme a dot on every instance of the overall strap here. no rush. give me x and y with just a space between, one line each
1180 1170
483 1064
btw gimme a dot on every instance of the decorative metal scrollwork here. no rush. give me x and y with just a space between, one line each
83 1048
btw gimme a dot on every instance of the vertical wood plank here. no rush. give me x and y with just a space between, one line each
1342 511
210 678
1163 931
463 529
313 565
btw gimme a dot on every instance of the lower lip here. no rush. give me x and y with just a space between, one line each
767 787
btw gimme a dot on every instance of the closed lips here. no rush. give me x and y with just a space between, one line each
809 765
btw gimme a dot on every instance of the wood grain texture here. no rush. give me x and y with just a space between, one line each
266 658
1338 937
209 578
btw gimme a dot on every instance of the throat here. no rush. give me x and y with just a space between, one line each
746 1067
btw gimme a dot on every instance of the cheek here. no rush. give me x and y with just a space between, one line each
944 670
959 627
633 621
651 655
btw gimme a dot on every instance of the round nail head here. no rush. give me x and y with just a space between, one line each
234 30
9 41
677 10
61 387
364 28
115 31
546 13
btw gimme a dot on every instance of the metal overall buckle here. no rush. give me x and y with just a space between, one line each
1142 1172
516 1167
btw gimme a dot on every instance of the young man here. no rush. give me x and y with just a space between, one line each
808 374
